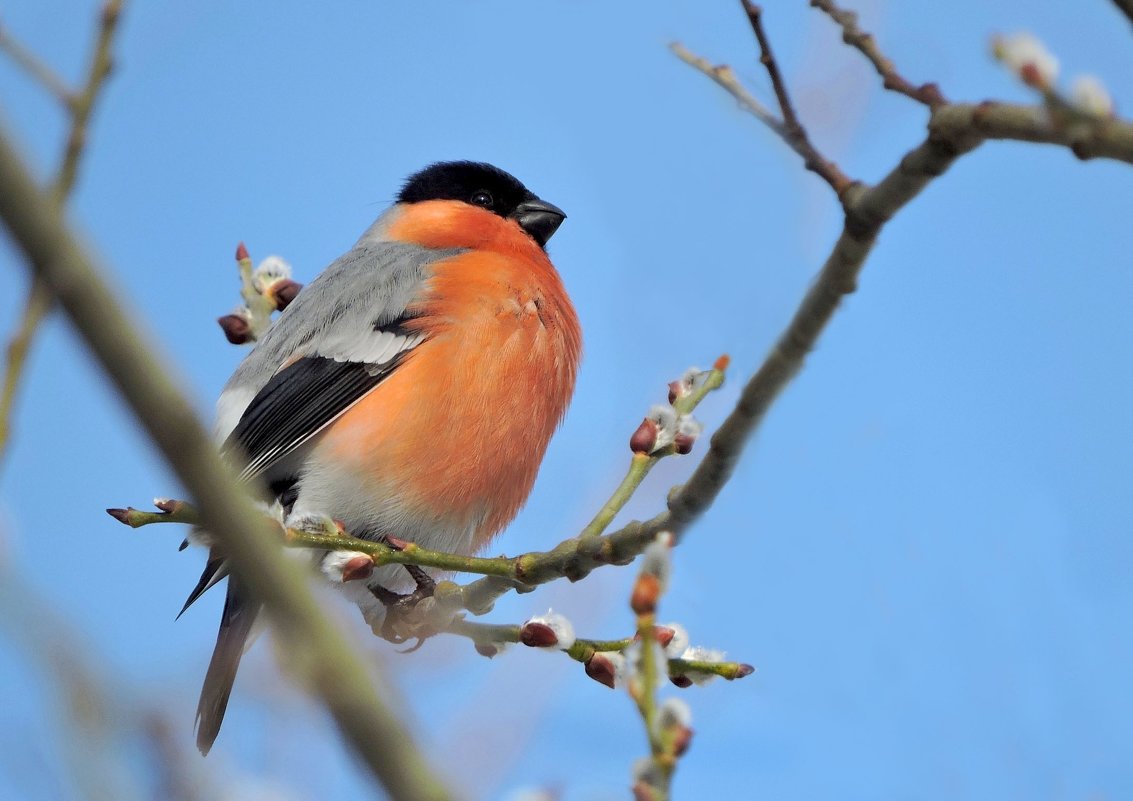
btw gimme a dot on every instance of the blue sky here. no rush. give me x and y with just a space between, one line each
926 550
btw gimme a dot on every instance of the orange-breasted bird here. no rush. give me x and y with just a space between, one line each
409 391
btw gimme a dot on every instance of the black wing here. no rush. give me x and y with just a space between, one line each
299 402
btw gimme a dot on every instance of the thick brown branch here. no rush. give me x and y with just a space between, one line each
1087 138
317 650
868 209
929 93
953 130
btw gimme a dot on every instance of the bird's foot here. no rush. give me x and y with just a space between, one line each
407 615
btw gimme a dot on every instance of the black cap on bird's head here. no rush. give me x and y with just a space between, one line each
488 187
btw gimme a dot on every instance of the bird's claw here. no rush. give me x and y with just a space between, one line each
407 614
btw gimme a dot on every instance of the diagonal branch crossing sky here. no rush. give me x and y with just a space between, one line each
926 552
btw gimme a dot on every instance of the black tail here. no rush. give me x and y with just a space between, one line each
240 612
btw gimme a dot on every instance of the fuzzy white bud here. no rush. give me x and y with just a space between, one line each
335 561
1025 55
679 643
313 524
698 653
634 662
270 271
674 712
551 630
1089 96
656 559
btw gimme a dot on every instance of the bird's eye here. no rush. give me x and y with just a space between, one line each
482 199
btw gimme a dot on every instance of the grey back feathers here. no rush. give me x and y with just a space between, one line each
338 339
350 313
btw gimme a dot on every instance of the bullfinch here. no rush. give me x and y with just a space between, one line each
409 391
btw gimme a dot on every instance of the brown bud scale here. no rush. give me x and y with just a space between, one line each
646 592
538 635
682 740
357 569
663 635
283 292
121 515
601 669
644 438
236 328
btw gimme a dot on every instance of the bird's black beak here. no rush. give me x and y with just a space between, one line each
539 219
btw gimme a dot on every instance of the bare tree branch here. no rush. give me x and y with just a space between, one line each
80 105
582 650
37 69
929 93
84 102
1126 7
726 78
317 650
35 309
795 132
954 129
1087 138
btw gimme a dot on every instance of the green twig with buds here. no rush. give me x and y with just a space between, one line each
685 396
667 738
264 290
488 636
573 558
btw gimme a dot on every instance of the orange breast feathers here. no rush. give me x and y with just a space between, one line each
458 431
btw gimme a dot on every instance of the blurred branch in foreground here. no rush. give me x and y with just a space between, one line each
80 105
1126 7
667 430
319 655
94 715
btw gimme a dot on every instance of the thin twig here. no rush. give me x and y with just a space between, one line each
572 558
653 783
794 131
35 309
726 78
318 652
767 59
928 94
641 463
954 129
583 649
40 72
80 105
1126 7
84 102
409 554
